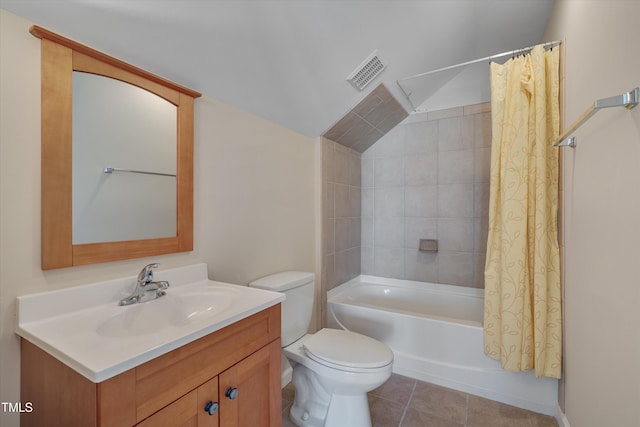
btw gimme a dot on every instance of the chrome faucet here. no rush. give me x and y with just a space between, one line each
146 289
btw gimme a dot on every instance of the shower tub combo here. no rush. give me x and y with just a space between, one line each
435 332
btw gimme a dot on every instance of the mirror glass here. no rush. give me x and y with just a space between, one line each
123 161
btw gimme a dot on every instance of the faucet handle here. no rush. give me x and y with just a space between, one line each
146 275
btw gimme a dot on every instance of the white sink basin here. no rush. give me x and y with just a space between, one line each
85 328
187 304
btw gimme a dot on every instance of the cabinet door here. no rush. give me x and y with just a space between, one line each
189 410
208 404
249 391
181 413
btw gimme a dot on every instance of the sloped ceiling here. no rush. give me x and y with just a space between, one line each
287 61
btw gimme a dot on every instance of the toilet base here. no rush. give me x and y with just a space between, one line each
350 411
311 401
313 406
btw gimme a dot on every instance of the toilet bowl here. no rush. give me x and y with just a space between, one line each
331 390
332 369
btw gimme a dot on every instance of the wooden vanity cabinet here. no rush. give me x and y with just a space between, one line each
171 390
187 411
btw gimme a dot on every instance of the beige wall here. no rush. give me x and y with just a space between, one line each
255 194
256 197
601 214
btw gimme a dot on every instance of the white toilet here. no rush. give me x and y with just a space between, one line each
332 369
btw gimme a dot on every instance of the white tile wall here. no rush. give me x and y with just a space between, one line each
420 169
343 201
455 167
388 202
428 178
420 201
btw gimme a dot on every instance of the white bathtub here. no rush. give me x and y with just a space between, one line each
435 332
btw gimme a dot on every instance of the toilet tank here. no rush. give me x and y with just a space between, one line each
299 289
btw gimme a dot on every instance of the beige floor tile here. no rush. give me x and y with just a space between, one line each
415 418
488 413
540 420
385 413
397 388
442 402
288 393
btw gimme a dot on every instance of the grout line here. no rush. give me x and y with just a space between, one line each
406 407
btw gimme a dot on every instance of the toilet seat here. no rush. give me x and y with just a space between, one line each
347 351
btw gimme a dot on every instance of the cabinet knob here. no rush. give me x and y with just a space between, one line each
211 407
231 393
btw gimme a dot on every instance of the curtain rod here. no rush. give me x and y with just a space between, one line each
488 58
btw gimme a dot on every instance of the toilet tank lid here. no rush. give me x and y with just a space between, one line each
283 281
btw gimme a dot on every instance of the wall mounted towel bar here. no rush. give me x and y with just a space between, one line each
628 100
111 170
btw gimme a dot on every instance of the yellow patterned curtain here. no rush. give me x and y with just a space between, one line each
522 311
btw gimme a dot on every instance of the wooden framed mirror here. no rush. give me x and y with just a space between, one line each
61 57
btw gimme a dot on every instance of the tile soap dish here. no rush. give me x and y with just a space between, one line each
428 245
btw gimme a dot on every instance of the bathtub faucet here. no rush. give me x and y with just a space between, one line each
146 289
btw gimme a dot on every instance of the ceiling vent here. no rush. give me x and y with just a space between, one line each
367 71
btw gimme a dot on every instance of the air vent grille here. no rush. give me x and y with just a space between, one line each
367 71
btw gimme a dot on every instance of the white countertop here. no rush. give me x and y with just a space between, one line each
85 328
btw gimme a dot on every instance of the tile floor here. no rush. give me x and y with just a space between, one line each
405 402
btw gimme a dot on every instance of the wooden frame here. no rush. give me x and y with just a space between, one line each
60 57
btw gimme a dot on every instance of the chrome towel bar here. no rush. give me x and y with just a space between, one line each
628 100
111 170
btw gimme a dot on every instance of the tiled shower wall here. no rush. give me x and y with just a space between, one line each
342 145
428 178
341 217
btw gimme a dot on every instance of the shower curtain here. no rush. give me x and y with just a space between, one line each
522 313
